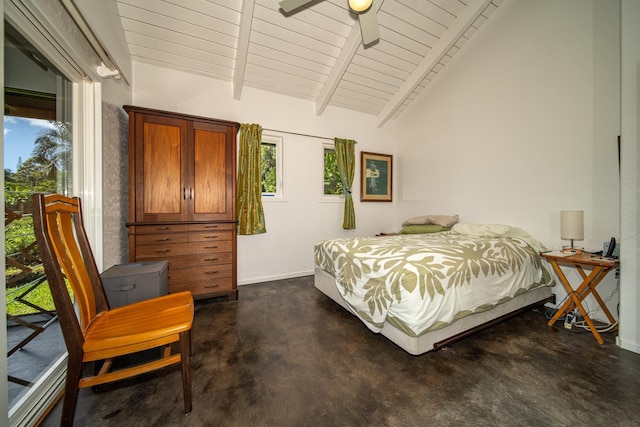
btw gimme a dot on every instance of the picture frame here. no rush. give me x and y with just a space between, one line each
376 177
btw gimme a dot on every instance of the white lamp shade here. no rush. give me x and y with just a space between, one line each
360 5
572 225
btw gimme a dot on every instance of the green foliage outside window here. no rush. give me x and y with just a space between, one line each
45 171
332 182
268 164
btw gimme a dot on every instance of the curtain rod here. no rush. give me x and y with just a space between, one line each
299 134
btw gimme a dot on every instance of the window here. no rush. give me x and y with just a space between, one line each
332 185
271 163
38 158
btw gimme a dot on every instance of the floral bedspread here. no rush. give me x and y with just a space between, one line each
427 281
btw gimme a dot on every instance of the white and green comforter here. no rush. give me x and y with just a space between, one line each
424 282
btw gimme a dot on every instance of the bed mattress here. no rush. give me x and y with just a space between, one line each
417 284
434 340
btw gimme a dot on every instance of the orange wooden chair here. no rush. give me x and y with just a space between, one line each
98 333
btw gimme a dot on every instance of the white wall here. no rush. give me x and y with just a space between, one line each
523 124
629 336
296 224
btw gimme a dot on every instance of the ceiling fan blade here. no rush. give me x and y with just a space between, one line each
289 5
369 26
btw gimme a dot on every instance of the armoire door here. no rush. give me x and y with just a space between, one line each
161 172
212 171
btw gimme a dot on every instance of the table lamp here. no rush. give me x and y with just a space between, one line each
571 228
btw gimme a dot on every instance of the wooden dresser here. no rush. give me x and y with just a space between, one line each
182 200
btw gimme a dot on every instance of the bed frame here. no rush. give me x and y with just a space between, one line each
445 336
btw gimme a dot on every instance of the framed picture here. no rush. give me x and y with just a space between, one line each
376 177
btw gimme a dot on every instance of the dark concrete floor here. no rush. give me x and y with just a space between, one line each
286 355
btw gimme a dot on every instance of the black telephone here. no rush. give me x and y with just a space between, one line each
611 248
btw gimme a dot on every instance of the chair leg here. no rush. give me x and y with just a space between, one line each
70 400
185 355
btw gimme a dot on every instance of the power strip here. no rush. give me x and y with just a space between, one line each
569 320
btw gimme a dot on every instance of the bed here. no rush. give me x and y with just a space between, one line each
424 291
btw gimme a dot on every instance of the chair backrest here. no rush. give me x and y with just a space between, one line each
66 254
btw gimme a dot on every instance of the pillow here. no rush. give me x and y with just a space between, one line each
442 220
416 220
423 228
491 230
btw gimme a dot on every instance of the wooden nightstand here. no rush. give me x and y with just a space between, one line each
600 267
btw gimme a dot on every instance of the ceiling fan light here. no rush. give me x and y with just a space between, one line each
360 5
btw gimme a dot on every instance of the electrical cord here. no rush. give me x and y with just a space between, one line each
606 300
581 325
549 312
603 329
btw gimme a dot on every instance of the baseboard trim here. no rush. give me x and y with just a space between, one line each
262 279
628 345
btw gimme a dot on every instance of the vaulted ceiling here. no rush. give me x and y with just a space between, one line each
315 53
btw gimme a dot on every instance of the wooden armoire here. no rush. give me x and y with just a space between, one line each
182 199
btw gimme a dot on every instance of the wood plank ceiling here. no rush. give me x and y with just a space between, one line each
315 53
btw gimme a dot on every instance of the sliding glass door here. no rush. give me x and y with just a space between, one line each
38 135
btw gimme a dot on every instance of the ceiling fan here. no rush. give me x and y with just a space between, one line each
364 8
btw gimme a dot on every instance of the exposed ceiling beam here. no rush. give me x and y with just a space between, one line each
243 47
448 39
348 51
354 40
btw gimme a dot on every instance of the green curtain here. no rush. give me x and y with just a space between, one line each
249 197
346 159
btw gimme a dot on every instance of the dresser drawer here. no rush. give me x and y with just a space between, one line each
152 229
210 236
204 287
212 227
200 273
177 249
182 237
161 239
185 261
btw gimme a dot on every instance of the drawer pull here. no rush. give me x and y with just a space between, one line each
211 247
210 237
210 226
163 228
211 272
163 240
211 286
163 251
211 259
